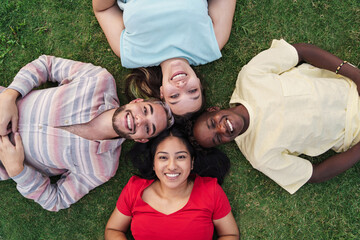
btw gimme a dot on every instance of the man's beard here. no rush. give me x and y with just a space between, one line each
116 129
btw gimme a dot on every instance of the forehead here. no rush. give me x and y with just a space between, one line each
185 105
172 144
202 133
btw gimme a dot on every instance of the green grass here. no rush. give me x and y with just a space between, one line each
330 210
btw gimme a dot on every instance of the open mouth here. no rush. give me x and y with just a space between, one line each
178 76
130 122
229 126
172 175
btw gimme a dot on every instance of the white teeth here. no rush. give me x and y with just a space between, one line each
230 125
179 76
129 121
172 175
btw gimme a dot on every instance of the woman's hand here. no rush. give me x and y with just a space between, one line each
8 112
12 157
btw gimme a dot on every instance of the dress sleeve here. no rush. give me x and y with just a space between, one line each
53 197
222 204
127 197
50 69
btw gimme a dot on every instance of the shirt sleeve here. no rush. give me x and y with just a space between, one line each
280 57
52 69
222 204
54 197
127 197
289 171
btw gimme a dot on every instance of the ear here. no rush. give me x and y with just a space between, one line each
213 109
137 100
161 92
192 164
141 140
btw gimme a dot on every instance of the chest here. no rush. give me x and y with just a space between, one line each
82 130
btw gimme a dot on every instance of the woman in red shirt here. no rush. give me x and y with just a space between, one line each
170 200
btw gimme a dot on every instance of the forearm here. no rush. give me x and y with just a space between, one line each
229 237
102 5
53 197
37 73
111 234
221 13
335 165
325 60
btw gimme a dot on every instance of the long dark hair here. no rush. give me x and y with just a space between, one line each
207 163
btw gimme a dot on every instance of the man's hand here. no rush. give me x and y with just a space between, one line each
8 112
12 157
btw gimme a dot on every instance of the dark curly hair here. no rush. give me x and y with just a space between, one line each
207 162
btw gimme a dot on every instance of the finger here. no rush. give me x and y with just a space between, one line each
18 141
8 131
5 139
14 124
3 129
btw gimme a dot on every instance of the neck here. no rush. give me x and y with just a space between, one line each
172 193
102 126
243 112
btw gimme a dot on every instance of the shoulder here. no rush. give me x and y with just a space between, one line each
133 187
137 181
206 184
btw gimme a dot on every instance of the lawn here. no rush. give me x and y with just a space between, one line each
69 29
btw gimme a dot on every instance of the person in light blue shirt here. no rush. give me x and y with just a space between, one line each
171 34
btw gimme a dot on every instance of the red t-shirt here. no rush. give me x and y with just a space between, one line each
194 221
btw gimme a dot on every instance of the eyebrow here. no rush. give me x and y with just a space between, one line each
194 98
162 152
152 113
181 152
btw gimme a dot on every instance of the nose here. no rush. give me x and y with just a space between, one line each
171 164
220 128
180 84
139 120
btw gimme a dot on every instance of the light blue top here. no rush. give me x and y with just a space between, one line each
159 30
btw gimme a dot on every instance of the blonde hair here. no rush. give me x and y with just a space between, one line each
143 83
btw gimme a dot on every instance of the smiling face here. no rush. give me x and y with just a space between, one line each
181 88
218 127
172 162
139 120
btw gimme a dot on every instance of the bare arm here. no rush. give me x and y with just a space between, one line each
335 165
226 227
110 18
323 59
222 13
117 226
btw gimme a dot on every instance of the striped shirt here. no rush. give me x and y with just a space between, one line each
84 92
